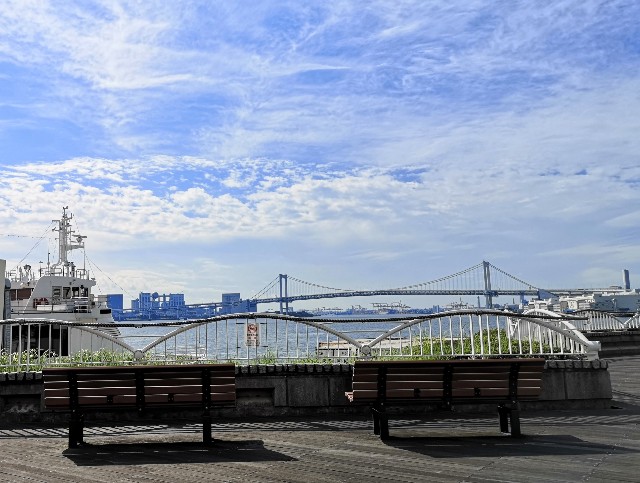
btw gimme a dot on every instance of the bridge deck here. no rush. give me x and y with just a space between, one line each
570 446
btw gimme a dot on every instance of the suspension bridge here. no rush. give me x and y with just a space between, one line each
483 279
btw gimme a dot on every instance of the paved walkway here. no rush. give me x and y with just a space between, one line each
560 446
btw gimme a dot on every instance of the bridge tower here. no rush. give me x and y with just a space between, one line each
488 295
284 293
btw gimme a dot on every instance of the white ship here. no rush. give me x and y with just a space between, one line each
61 290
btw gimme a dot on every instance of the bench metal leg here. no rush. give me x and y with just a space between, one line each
76 430
384 427
514 417
503 413
510 416
376 422
206 429
380 421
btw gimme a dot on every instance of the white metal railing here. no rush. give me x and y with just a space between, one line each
595 320
28 344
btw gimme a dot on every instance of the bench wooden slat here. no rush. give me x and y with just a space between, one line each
129 400
197 374
364 394
366 386
187 381
411 394
530 374
222 381
533 392
175 398
478 383
114 384
154 380
56 401
90 378
475 375
414 384
161 376
55 393
485 392
365 377
173 389
415 377
223 388
55 384
106 391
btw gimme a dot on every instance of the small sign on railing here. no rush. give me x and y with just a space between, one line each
253 334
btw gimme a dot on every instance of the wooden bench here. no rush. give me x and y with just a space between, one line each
145 389
505 382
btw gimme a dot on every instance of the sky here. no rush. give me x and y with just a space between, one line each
205 147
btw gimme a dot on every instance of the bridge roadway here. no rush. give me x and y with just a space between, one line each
559 446
398 292
371 293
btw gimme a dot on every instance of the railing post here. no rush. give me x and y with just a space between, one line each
592 350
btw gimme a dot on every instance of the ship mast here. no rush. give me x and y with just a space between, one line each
67 241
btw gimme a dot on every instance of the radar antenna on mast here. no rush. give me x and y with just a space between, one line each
67 241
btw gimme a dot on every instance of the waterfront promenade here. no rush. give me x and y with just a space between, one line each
587 445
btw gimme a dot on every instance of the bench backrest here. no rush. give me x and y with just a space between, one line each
140 386
446 381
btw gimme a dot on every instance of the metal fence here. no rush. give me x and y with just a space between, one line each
267 338
595 320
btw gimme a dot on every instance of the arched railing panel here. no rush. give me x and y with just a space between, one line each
263 337
597 320
483 333
560 328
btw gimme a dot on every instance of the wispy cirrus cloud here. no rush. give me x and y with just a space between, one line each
279 79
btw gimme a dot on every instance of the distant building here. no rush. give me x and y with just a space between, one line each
233 304
143 302
176 300
155 301
616 300
115 301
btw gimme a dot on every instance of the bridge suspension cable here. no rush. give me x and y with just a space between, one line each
311 286
509 276
267 290
444 280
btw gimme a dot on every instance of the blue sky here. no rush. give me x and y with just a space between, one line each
205 147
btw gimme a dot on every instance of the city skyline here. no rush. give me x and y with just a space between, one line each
206 147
